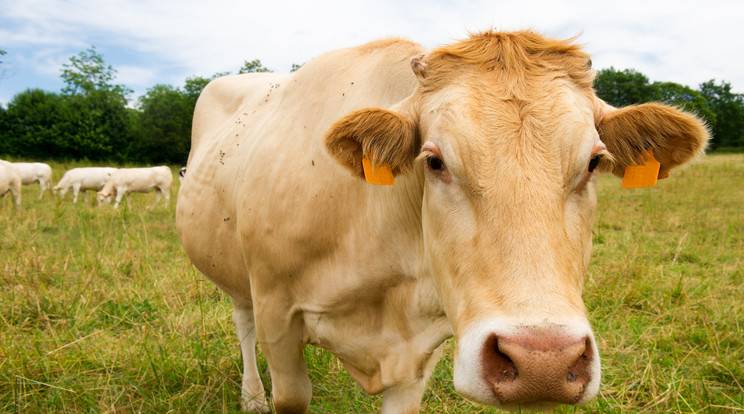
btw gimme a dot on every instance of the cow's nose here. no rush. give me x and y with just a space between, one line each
535 367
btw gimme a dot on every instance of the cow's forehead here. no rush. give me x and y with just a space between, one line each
518 91
484 134
511 59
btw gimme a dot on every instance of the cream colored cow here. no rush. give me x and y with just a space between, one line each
495 143
35 172
82 179
124 181
10 182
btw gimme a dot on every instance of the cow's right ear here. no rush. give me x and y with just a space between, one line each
384 136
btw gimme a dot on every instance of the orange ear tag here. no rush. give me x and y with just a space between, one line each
646 175
381 174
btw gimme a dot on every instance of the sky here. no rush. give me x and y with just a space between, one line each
150 42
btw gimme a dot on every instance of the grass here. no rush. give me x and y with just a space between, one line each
100 310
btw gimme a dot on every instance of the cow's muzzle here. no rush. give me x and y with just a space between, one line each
532 367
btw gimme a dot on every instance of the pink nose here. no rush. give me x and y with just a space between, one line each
537 366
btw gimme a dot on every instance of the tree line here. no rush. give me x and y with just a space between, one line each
90 118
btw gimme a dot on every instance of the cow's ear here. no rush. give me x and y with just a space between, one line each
384 136
676 137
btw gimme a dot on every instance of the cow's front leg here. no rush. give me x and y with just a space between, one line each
252 395
75 192
166 195
42 187
406 398
158 196
280 333
119 194
403 399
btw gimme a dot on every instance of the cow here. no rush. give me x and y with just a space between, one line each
82 179
124 181
35 172
494 144
10 182
181 174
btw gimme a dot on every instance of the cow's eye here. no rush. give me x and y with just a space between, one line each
434 163
594 162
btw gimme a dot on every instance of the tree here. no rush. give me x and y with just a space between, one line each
295 67
686 98
2 53
253 67
194 86
97 125
622 88
32 124
165 121
88 72
4 136
728 107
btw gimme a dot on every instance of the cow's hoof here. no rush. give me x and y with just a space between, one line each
255 405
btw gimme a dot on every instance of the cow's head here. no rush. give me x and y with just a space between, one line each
511 137
104 196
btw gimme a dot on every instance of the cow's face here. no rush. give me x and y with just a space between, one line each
509 199
103 197
511 145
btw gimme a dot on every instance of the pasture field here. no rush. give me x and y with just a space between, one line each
100 310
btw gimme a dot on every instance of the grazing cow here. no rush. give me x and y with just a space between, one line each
137 180
10 182
35 172
82 179
494 143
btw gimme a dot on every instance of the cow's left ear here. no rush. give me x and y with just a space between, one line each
384 136
676 137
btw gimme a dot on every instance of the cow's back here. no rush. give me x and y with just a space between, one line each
258 174
33 171
92 178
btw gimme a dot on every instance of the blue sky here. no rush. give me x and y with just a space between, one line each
153 42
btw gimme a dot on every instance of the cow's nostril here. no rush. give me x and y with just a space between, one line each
499 367
579 371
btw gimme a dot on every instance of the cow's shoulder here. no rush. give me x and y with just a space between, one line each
224 96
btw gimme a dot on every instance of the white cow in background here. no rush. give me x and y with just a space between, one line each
137 180
35 172
82 179
10 181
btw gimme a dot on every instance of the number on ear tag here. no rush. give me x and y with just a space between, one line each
646 175
379 174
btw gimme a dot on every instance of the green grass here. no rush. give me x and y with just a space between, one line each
100 310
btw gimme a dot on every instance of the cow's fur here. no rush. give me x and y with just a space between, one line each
124 181
486 234
35 172
10 182
82 179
